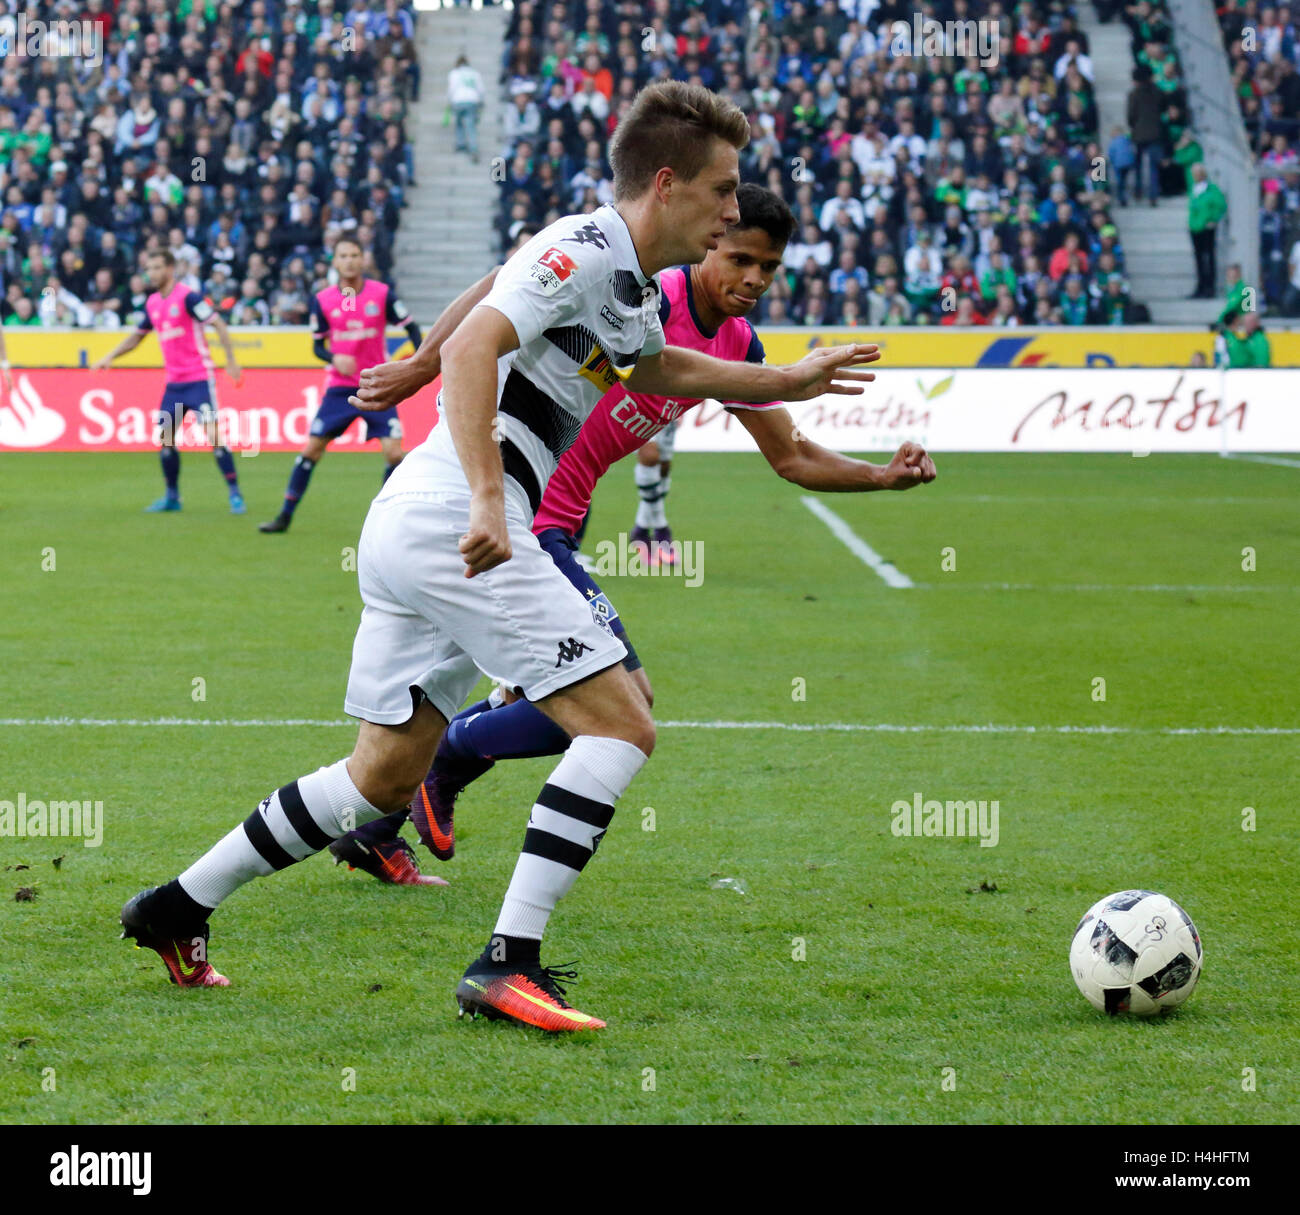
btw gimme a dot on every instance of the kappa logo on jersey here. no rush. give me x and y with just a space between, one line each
589 234
608 314
551 269
601 371
570 649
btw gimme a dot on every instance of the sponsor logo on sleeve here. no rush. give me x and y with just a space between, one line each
601 371
551 269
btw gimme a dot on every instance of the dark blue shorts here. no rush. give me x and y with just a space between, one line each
335 415
563 550
191 396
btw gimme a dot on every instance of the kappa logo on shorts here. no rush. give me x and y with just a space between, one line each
571 649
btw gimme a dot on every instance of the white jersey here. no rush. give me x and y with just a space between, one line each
584 313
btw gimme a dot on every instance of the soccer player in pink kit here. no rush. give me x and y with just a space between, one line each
703 307
353 317
178 315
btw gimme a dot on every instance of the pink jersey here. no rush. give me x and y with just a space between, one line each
624 421
177 318
355 325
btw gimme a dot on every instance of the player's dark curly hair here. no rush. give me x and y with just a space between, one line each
760 208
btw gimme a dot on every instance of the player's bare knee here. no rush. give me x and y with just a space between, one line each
638 728
390 762
646 739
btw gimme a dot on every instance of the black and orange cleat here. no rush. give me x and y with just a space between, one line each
527 995
185 954
434 804
391 861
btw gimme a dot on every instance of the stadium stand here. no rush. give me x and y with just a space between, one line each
919 182
1263 55
246 136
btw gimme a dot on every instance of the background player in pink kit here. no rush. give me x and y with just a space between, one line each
352 318
178 316
703 308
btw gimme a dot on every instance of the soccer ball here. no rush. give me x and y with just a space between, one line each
1136 952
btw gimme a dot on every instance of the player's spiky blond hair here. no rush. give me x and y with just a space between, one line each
669 126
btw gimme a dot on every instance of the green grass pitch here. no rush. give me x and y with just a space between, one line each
861 977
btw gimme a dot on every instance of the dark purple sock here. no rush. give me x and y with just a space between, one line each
382 830
515 731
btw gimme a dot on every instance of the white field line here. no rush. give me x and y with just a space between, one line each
1111 500
856 545
1074 586
833 727
1282 460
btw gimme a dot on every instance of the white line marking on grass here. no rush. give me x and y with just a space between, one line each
856 545
1111 500
990 728
230 722
1030 586
830 727
1282 460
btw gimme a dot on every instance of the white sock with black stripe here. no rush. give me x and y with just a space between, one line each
649 511
295 822
570 816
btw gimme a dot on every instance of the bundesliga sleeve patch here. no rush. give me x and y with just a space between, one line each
552 269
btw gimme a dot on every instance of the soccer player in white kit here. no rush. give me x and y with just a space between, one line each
452 578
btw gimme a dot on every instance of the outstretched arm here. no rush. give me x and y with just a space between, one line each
125 346
678 372
797 458
389 384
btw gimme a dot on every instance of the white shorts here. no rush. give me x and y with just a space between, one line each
427 628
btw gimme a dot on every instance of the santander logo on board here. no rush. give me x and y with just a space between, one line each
26 421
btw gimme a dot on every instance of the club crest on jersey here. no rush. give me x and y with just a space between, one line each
372 309
589 234
552 269
601 371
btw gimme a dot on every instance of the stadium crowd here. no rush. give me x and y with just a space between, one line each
927 190
1264 61
246 136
